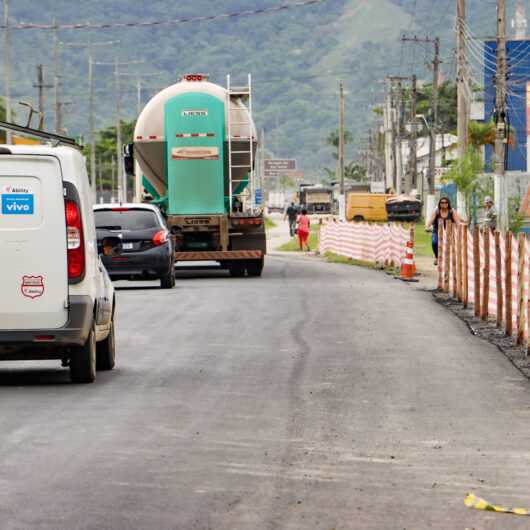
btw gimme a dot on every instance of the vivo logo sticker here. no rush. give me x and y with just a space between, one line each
18 204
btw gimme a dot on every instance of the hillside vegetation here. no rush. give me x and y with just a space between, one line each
296 57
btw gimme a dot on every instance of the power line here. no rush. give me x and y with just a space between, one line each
171 22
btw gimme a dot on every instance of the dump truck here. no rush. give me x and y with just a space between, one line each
194 151
316 199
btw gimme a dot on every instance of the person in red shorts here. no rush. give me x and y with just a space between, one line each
304 225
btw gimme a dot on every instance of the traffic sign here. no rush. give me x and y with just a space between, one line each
275 167
259 196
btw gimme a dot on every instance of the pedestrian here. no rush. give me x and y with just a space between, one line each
444 213
291 214
303 229
490 214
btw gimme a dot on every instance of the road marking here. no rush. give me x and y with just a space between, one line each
472 501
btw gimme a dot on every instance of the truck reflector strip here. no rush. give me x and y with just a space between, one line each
151 137
195 135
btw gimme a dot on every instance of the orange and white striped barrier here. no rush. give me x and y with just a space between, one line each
382 244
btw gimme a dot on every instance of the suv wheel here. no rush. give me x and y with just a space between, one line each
106 351
83 360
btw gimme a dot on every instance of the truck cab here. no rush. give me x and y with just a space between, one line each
57 301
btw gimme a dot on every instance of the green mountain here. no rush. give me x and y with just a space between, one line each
296 57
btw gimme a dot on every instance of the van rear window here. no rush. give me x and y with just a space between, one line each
125 219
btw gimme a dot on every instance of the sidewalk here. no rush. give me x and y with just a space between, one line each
279 235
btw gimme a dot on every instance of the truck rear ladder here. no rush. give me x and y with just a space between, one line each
245 120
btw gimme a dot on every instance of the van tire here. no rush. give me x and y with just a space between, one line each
168 280
83 360
106 351
358 218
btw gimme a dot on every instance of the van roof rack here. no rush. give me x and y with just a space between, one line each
57 139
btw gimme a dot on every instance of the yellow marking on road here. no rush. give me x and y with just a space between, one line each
472 501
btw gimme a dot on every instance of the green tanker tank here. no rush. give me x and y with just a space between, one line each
195 145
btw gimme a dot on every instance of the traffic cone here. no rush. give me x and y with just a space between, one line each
408 267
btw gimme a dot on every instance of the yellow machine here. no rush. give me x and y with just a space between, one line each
366 206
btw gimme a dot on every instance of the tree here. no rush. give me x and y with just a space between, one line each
354 171
465 174
333 140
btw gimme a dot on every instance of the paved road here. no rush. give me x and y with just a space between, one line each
318 397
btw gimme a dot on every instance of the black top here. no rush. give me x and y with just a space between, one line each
438 217
292 213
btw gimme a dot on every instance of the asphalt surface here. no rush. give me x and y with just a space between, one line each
320 396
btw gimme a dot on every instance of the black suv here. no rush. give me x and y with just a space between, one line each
148 249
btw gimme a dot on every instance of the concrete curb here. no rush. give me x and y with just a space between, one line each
487 331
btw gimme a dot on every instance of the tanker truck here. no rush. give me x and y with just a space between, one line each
194 152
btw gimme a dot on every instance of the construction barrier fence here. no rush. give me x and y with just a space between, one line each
488 271
382 244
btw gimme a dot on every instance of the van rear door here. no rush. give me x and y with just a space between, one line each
33 254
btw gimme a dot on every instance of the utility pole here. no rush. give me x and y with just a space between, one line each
501 198
387 127
7 69
433 131
463 104
434 125
341 138
58 125
399 138
412 180
40 86
89 46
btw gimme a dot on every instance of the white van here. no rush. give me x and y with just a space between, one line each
56 299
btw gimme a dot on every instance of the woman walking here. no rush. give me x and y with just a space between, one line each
444 213
304 227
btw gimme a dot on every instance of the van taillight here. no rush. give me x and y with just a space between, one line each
75 240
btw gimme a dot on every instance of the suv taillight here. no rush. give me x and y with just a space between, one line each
75 240
160 238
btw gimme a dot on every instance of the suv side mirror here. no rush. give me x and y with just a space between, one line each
128 159
111 246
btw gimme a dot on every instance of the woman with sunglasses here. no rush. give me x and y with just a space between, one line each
445 214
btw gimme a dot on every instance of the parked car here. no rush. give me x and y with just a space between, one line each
148 250
56 299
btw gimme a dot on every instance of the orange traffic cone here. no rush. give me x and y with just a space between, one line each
408 267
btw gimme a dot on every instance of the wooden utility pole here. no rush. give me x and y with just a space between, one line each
501 198
7 69
341 137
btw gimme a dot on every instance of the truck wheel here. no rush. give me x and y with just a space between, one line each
255 267
358 218
106 351
168 280
237 270
83 360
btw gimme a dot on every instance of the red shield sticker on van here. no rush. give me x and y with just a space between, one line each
32 286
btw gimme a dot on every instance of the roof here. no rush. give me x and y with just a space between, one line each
135 205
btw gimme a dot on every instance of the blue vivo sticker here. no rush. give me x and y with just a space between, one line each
18 204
